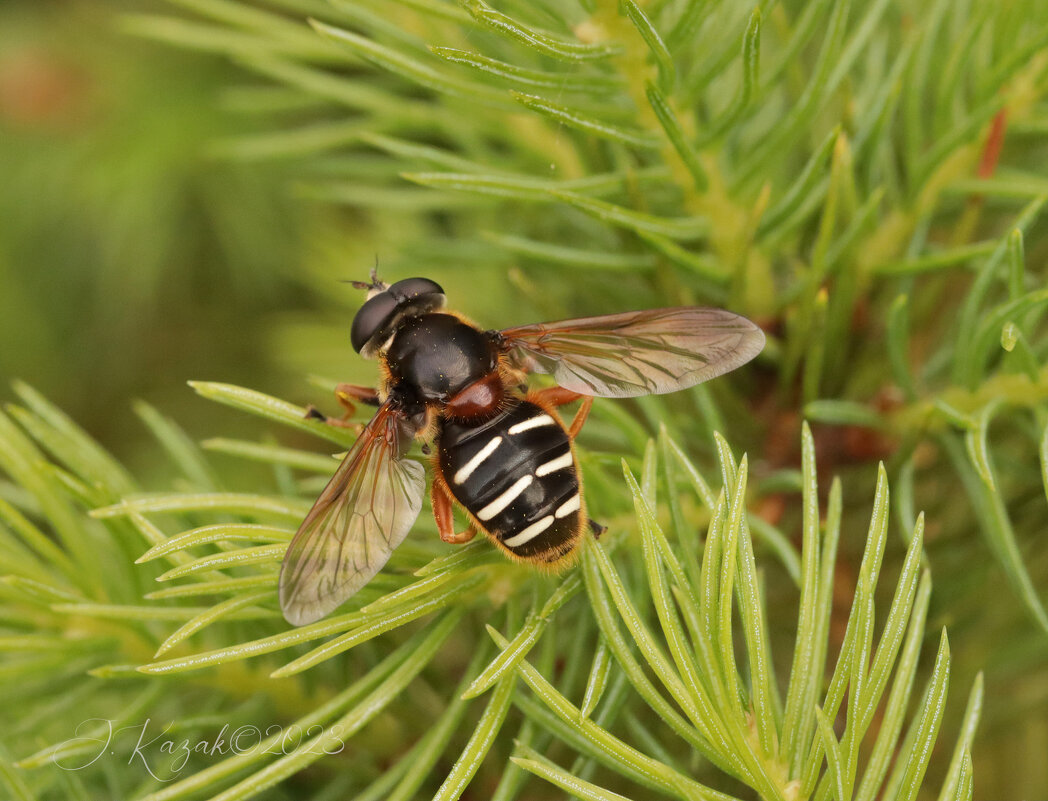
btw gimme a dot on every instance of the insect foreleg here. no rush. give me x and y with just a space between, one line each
348 393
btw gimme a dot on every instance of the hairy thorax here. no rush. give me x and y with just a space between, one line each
436 356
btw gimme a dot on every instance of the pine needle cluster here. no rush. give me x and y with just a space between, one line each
862 179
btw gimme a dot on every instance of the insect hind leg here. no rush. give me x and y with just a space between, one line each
443 514
597 529
559 396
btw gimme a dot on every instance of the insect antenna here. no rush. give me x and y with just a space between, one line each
374 285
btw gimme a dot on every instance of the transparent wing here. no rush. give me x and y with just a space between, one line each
365 511
636 353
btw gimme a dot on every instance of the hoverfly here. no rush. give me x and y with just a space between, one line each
500 450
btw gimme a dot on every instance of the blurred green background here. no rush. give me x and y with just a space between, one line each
129 260
136 255
132 260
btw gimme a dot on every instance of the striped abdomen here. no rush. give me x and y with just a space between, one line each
517 476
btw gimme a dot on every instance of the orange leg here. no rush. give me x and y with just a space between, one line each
580 416
346 394
558 396
442 513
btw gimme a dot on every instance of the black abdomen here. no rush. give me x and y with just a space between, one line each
516 474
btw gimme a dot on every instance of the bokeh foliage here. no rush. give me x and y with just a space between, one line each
864 180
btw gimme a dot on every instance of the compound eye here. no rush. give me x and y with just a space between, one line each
372 318
413 287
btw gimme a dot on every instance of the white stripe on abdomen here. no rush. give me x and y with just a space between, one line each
528 534
553 465
572 504
464 472
532 422
505 499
